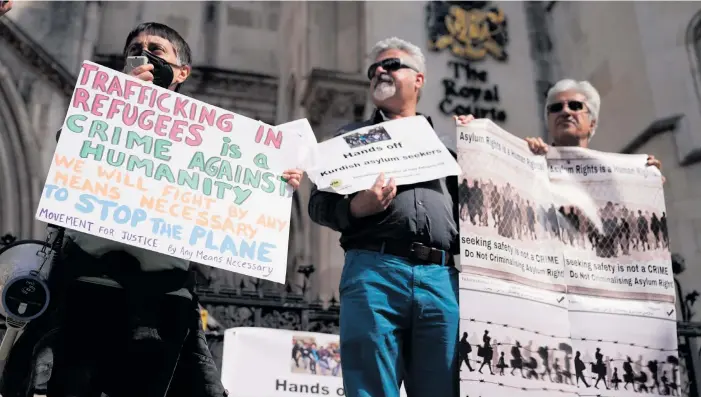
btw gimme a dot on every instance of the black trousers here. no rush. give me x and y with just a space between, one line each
106 346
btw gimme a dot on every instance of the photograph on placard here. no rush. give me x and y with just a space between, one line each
312 356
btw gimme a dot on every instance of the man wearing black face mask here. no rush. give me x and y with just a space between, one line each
168 55
128 318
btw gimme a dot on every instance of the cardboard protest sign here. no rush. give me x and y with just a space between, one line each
151 168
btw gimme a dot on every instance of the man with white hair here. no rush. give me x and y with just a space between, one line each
572 113
399 285
5 6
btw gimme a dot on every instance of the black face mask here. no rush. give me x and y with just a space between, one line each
162 71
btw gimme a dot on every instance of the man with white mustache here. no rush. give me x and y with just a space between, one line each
399 287
572 113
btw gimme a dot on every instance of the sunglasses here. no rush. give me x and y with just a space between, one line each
390 65
574 106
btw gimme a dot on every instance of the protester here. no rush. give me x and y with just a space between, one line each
572 113
5 6
128 318
399 286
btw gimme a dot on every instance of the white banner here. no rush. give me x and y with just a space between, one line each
405 149
262 362
151 168
566 285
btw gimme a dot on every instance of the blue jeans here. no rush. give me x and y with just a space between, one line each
399 323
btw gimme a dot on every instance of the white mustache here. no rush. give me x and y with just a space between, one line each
384 78
567 119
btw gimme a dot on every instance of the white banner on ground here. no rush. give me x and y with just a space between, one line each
406 149
566 285
150 168
262 362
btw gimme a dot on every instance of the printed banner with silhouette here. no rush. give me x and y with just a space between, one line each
147 167
263 362
566 283
405 149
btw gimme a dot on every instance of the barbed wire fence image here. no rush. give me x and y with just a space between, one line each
655 374
585 224
619 230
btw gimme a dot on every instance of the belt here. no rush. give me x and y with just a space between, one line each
416 253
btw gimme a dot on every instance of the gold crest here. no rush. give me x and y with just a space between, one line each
469 33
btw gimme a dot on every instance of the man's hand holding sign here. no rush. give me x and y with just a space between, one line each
380 195
374 200
293 177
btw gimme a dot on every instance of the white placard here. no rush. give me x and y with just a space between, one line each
263 362
405 149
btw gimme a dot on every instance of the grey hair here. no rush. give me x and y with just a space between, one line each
585 88
416 56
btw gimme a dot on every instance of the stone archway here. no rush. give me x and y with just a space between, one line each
19 163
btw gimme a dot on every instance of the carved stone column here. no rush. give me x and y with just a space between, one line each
331 99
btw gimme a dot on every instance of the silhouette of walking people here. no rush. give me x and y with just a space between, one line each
543 353
486 352
642 382
465 349
517 359
652 366
557 365
599 369
501 364
615 380
628 375
579 368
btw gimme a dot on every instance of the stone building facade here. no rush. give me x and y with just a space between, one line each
279 61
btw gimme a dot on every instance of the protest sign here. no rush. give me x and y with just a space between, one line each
150 168
566 286
262 362
405 149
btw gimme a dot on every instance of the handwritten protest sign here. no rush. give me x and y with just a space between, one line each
406 149
154 169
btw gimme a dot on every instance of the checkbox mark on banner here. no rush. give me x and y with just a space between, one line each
670 313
